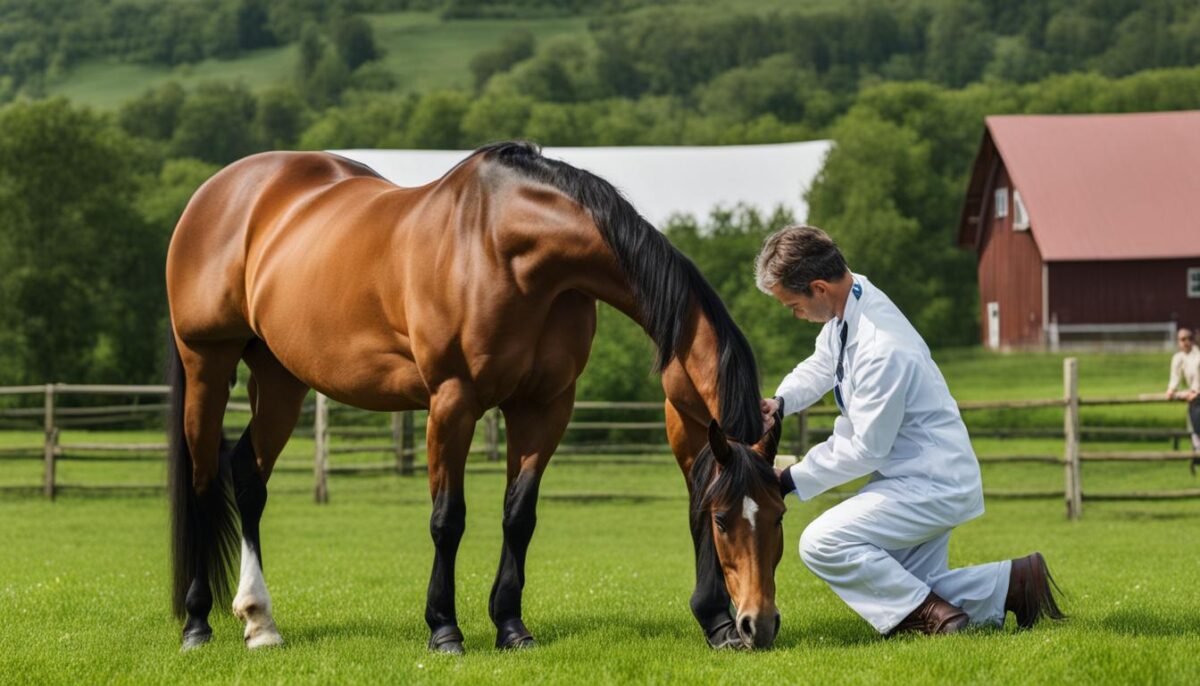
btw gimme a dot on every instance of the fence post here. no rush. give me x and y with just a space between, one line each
402 436
51 444
800 447
491 433
1074 490
321 449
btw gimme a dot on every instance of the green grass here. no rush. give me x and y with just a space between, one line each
421 50
83 594
106 83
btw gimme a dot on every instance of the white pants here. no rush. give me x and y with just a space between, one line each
883 554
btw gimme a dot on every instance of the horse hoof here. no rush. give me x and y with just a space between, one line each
195 640
264 639
512 635
726 637
447 640
516 643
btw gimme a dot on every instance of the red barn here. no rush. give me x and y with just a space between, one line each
1087 228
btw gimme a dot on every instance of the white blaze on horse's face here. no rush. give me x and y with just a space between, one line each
750 511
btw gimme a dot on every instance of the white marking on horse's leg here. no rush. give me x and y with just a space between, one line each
749 510
252 604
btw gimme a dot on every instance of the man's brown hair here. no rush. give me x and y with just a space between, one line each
795 257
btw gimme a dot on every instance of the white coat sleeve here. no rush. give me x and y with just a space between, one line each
811 379
875 412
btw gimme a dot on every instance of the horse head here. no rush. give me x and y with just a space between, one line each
736 489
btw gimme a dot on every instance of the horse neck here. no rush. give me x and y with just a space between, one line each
691 380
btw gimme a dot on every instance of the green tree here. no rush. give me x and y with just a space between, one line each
216 124
330 77
354 41
155 113
563 70
436 121
279 117
365 120
778 86
556 124
514 47
311 48
68 228
876 196
959 46
495 117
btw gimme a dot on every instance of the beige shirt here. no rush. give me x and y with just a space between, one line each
1185 367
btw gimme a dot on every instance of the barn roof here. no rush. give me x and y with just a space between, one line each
659 181
1097 186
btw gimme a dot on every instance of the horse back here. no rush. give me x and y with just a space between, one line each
209 260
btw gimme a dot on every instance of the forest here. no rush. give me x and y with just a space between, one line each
89 195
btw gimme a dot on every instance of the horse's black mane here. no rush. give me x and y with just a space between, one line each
664 281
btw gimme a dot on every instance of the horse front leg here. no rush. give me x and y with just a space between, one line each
453 412
710 599
534 430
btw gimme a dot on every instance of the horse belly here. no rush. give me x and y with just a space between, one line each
335 336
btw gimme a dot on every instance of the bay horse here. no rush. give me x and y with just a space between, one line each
475 291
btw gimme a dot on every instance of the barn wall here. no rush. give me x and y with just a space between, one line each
1010 273
1140 291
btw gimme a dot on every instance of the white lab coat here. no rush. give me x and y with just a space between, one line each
885 548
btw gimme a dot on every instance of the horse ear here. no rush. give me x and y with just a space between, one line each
768 445
718 442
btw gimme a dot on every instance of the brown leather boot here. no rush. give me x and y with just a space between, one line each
1031 591
933 616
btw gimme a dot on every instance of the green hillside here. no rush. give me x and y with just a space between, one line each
423 51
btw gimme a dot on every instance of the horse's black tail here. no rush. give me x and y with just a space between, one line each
204 532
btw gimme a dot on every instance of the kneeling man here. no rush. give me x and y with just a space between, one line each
884 551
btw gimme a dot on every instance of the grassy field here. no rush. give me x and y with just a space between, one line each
421 50
83 594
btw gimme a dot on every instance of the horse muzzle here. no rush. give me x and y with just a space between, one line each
758 629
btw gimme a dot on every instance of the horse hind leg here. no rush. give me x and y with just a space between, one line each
204 533
275 400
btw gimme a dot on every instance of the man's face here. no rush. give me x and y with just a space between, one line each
817 307
1186 340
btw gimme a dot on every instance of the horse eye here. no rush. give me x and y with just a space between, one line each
719 518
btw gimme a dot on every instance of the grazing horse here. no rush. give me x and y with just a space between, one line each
477 290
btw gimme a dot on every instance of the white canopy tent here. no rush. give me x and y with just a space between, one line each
659 181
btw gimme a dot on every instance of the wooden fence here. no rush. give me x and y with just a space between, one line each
399 440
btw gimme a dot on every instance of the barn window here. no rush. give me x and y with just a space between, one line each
1001 202
1194 282
1020 216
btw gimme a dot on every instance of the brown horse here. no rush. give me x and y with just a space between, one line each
477 290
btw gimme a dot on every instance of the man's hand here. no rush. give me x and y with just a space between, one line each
768 406
1190 396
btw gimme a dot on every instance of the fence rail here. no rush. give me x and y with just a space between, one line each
399 439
